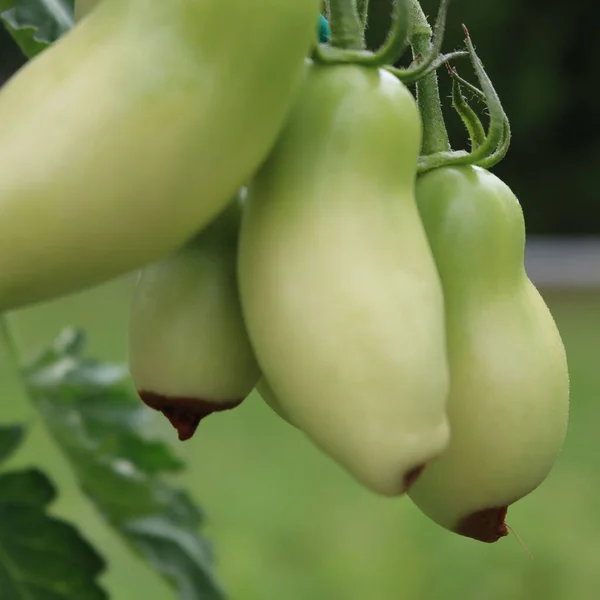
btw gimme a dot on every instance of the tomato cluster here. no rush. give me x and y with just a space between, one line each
290 238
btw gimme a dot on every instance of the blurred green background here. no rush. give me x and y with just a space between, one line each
289 525
286 522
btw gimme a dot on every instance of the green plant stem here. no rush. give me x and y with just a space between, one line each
435 136
412 74
346 27
495 145
10 343
363 12
394 47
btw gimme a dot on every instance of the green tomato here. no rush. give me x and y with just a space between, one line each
509 393
189 352
339 289
134 130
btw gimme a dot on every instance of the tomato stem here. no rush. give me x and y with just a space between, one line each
435 135
363 12
396 42
413 73
431 60
346 30
393 48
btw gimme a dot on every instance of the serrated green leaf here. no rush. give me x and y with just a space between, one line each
95 417
174 551
35 24
31 488
151 457
41 557
11 437
69 342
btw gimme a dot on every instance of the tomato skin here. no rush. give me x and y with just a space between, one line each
270 399
339 289
509 392
128 135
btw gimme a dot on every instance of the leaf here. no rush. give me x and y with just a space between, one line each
6 4
10 438
35 24
171 549
70 341
41 557
30 487
95 417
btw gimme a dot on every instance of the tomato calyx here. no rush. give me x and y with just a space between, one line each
487 149
346 49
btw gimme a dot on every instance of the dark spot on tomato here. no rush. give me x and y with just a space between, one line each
185 414
486 525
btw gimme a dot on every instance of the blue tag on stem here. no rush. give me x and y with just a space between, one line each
324 30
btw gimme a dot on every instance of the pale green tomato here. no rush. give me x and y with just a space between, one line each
509 393
339 289
131 133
